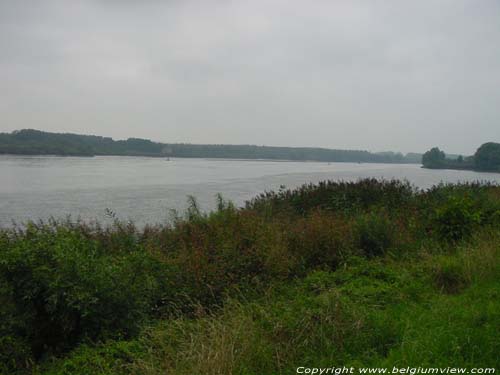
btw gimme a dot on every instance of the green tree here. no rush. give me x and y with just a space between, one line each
434 158
487 157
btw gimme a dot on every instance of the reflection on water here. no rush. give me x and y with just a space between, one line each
144 189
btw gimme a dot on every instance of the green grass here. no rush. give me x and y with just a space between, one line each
369 313
279 284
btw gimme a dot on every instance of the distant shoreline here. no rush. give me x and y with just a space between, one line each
173 158
451 168
36 142
485 159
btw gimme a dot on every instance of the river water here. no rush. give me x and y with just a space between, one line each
145 189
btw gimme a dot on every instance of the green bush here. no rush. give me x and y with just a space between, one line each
456 218
449 274
308 265
374 233
337 196
320 240
61 287
15 354
113 357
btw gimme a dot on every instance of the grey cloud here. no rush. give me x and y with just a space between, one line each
347 74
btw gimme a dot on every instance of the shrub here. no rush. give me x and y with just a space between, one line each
15 354
60 288
456 218
64 285
374 233
320 240
337 196
113 357
449 274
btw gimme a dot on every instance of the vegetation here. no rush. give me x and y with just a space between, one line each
367 273
434 158
34 142
486 158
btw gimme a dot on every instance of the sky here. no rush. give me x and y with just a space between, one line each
375 75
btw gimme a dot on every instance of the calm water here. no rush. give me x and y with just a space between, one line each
144 189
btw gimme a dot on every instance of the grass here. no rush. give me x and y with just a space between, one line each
369 313
296 278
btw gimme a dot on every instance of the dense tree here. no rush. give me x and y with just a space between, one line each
36 142
434 158
487 157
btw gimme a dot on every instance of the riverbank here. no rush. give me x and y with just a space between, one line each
485 159
461 168
347 274
36 142
143 190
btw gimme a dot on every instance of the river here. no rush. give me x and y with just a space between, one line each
145 189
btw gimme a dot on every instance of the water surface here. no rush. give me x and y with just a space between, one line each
144 189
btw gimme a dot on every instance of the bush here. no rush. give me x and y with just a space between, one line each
337 196
64 285
456 218
449 275
320 240
60 288
114 357
374 233
15 354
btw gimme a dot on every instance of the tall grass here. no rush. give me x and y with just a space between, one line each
334 273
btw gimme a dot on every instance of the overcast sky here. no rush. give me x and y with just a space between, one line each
376 75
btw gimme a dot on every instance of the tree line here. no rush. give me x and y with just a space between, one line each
486 158
35 142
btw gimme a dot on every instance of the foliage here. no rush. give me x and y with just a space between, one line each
339 272
374 234
487 157
112 357
336 196
369 313
63 287
456 219
449 275
434 158
35 142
